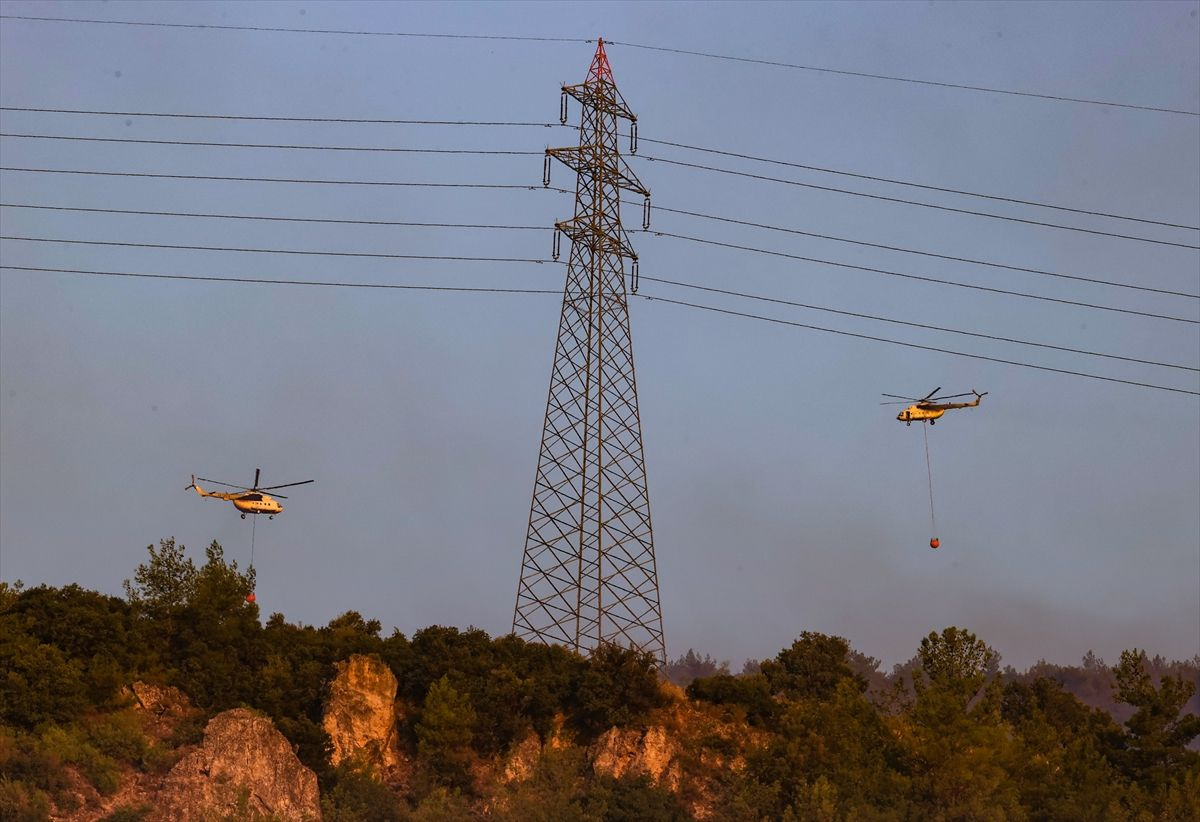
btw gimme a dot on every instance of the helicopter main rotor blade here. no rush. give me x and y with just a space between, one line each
278 496
286 485
950 397
931 393
257 471
897 396
226 484
898 402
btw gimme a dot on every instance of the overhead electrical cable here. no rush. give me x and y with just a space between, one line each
923 278
913 202
665 49
269 179
649 298
910 324
397 150
334 221
893 78
266 281
289 30
973 261
926 186
302 252
359 120
1017 363
676 283
657 233
322 220
674 144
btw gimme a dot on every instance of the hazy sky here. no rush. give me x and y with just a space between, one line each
784 497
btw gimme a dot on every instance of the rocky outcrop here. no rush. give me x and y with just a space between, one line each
160 700
243 769
360 716
629 751
522 761
162 707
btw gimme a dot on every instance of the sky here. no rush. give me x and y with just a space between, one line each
784 497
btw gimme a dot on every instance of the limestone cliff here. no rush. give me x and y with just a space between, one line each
244 768
652 753
360 716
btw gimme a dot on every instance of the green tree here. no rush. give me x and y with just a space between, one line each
357 797
812 668
957 662
444 734
167 581
959 748
617 687
749 695
1158 731
1063 770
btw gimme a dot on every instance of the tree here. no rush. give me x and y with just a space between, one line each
167 581
1158 733
691 666
444 733
957 662
812 668
750 695
960 749
618 687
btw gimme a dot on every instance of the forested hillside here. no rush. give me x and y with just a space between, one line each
502 729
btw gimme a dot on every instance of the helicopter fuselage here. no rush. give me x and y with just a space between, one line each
248 502
916 413
931 411
257 504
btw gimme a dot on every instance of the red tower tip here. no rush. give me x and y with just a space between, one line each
600 71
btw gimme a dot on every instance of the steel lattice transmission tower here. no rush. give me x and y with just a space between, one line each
588 574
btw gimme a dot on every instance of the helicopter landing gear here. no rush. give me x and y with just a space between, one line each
933 422
271 517
909 424
243 516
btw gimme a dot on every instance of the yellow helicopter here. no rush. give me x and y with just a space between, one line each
930 408
247 500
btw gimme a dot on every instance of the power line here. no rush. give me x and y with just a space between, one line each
665 49
265 281
893 78
649 279
277 219
920 347
331 221
913 202
925 186
923 278
658 233
519 38
950 257
269 145
281 251
270 179
924 326
722 152
358 120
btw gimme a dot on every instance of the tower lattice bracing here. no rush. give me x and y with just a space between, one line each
588 575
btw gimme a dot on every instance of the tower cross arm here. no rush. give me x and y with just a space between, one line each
584 231
603 97
582 160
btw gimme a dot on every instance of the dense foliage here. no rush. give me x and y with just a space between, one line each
815 733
